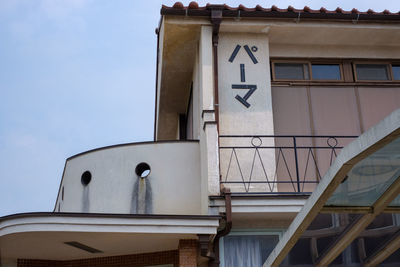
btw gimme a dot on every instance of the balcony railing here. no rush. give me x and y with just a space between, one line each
277 164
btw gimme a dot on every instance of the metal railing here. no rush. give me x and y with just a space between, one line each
277 164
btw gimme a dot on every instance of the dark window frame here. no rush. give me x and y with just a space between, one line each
388 70
347 71
289 62
309 64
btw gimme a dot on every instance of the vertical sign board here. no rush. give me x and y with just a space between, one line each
245 108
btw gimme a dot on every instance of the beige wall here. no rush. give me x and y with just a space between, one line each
196 98
207 124
333 51
174 180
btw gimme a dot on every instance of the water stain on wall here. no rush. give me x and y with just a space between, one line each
85 199
142 197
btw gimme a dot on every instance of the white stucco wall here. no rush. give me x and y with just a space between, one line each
174 179
238 119
208 127
196 98
235 118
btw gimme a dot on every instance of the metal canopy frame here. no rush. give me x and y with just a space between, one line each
357 226
383 251
369 142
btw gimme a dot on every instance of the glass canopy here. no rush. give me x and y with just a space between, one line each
369 178
353 216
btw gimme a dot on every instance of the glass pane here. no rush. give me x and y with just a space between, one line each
396 72
315 241
291 71
372 72
368 242
369 178
248 250
395 202
325 71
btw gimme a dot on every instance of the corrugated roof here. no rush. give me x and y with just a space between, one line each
193 9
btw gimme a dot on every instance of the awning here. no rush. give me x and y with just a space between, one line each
351 217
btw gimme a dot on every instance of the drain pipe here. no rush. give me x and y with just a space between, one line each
214 259
213 253
216 18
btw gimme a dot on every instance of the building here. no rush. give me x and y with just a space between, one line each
256 110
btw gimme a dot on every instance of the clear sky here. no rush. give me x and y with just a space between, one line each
80 74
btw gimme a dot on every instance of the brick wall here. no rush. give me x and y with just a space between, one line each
188 249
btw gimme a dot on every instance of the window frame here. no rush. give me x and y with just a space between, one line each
309 64
396 63
388 70
348 71
289 62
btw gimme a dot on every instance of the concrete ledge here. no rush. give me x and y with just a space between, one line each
51 222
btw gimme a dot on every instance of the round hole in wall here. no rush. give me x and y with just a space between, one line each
86 178
142 170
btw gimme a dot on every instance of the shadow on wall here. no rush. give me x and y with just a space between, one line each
142 202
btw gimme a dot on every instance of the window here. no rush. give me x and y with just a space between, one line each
333 70
396 72
302 71
326 72
291 71
372 72
247 249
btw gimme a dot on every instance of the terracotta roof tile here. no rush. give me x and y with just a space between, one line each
178 5
193 5
260 8
193 9
291 9
339 10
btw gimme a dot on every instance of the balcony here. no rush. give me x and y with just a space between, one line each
277 164
136 178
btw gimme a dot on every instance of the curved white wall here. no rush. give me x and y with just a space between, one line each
174 180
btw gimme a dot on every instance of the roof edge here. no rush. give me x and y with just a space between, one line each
193 9
107 215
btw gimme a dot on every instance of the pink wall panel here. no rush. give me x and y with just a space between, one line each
291 117
291 112
335 111
377 103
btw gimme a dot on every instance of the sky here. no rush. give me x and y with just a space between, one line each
77 75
